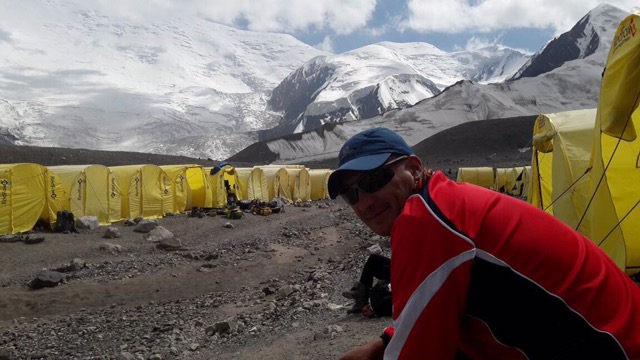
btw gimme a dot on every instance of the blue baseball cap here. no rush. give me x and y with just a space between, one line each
366 151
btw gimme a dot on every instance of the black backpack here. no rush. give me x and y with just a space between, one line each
65 221
380 297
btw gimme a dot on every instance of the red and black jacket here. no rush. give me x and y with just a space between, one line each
496 278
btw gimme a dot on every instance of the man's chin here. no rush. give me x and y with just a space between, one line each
379 228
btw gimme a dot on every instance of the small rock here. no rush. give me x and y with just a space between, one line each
46 278
374 249
10 238
169 213
112 249
138 219
129 222
156 357
87 223
222 327
126 356
33 240
158 234
229 225
268 290
145 226
111 233
285 291
5 354
194 346
170 244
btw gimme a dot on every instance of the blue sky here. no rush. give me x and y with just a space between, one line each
341 25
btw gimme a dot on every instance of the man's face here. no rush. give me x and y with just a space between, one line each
378 210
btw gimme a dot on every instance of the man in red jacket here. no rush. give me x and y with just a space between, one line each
481 275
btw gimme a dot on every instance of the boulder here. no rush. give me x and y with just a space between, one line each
170 244
112 249
158 234
46 278
87 223
145 226
111 233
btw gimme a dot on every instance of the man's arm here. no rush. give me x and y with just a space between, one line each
431 267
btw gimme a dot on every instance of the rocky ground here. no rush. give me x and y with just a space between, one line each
266 287
258 287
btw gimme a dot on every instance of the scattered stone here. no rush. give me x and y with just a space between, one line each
111 233
126 356
145 226
5 354
333 329
194 346
112 249
87 223
374 249
334 307
33 240
158 234
156 357
169 213
268 290
75 265
197 212
138 219
46 278
170 244
229 225
222 327
10 238
285 291
129 222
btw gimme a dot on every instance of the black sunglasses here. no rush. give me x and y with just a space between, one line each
370 182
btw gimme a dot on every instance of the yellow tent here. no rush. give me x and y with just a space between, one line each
179 188
146 191
190 187
560 163
500 183
526 180
252 184
615 178
510 181
277 182
319 183
90 190
200 186
28 192
225 177
481 176
299 183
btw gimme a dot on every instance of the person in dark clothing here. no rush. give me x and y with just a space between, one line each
378 267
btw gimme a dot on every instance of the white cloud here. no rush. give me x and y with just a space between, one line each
335 16
457 16
478 42
325 45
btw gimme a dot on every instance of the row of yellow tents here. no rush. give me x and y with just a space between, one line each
585 166
513 181
31 192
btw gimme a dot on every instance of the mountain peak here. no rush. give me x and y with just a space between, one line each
591 36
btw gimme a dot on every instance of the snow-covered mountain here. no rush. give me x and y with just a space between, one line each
374 79
74 76
573 84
